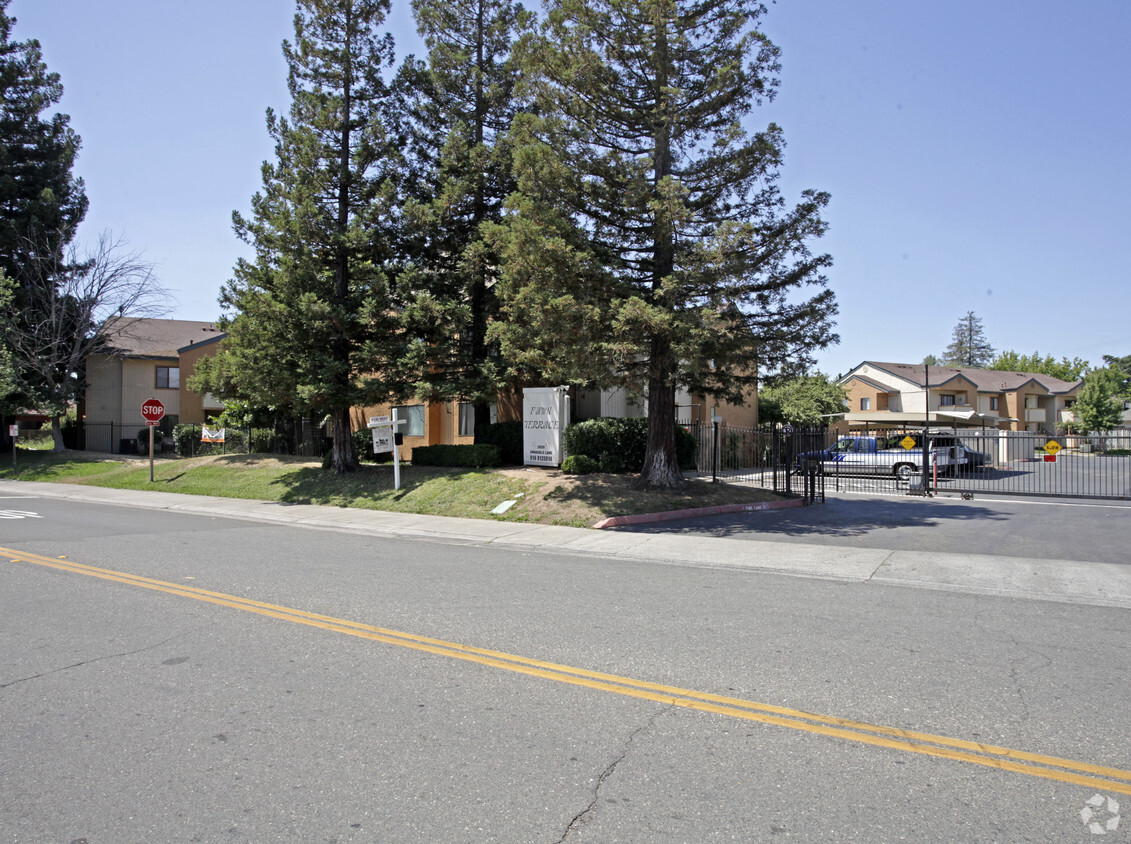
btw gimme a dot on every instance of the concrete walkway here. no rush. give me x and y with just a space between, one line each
1066 581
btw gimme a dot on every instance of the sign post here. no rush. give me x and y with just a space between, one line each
151 411
14 433
385 441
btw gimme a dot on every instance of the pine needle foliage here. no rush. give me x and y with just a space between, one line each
317 322
649 244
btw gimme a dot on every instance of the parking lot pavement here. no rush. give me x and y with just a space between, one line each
1027 528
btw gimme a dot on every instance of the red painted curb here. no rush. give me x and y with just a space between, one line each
718 509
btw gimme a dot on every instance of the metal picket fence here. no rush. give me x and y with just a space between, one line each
302 437
764 457
980 462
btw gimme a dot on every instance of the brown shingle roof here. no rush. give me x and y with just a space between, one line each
986 380
156 338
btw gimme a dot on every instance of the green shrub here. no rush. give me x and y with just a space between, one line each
475 456
623 439
363 446
262 441
579 464
186 440
507 436
612 463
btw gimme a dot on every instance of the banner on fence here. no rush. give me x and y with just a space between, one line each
211 435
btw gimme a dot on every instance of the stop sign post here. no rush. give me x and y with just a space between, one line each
151 411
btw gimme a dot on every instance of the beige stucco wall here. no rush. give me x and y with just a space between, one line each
195 408
441 424
117 387
858 390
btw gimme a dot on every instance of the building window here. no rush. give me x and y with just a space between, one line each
946 400
1030 402
414 413
993 402
466 419
865 404
168 377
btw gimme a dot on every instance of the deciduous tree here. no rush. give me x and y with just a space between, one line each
77 293
1121 366
1064 369
7 359
1097 408
649 245
807 400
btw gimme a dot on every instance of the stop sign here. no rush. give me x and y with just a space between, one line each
151 411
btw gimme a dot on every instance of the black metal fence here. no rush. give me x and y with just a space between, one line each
302 437
889 461
763 457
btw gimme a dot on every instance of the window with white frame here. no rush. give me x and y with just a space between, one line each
993 402
946 400
866 404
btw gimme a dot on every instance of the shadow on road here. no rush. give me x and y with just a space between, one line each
844 518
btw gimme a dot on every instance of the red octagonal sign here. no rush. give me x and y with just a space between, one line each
151 411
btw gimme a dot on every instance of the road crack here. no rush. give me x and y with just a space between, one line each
95 659
586 814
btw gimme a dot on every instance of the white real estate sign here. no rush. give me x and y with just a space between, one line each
382 428
545 414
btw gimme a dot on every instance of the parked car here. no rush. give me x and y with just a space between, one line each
881 455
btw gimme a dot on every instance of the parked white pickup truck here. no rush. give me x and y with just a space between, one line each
871 455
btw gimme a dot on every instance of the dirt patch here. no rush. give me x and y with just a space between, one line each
560 498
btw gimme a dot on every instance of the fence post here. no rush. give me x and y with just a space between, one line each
715 450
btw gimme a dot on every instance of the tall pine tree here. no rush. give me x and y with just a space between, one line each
315 319
968 344
41 201
461 101
650 245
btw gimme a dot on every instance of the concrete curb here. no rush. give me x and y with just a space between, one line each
717 510
1063 581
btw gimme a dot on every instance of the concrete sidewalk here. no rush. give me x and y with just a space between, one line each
1066 581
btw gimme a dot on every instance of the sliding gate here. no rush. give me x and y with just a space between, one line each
990 462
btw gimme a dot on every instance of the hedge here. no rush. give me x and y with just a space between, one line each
623 441
579 464
507 436
476 456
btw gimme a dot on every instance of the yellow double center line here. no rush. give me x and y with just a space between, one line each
1003 758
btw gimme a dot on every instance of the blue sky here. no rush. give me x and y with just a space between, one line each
976 152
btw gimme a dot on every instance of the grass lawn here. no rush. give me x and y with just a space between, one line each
541 495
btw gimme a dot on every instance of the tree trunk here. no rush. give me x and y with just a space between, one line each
661 467
57 434
342 457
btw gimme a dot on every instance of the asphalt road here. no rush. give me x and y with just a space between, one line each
172 677
1027 528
